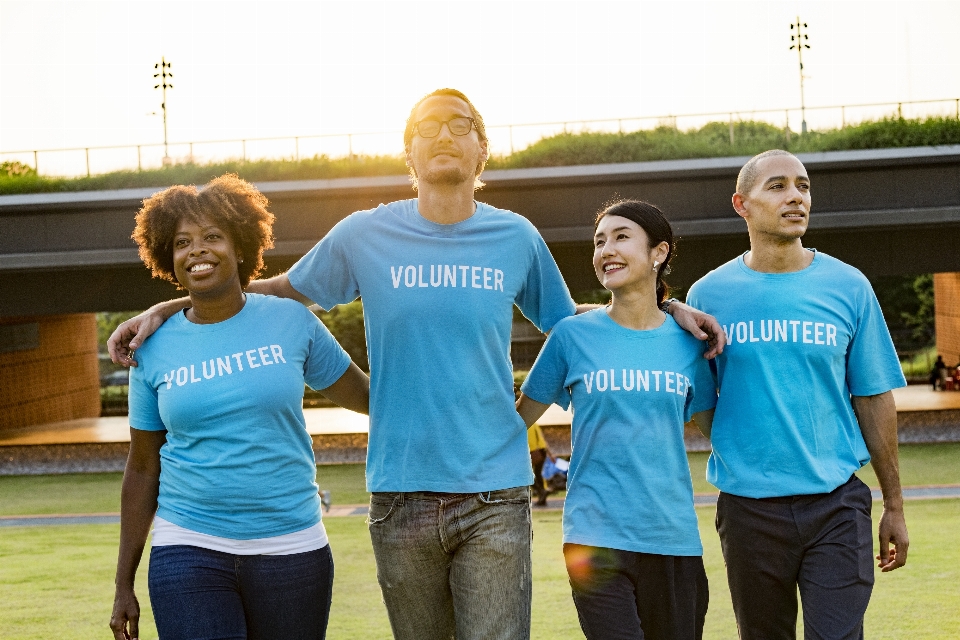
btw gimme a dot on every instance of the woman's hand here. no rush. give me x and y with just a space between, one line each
125 621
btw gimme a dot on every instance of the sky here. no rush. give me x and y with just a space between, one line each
79 73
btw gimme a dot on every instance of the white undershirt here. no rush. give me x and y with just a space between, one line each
166 533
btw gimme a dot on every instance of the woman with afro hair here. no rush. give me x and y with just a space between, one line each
220 460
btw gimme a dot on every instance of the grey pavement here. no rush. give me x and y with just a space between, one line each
553 504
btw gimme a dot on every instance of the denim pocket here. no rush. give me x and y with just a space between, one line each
516 495
381 508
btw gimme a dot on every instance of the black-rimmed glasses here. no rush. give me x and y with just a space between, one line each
459 126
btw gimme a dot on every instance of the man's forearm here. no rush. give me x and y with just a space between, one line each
171 308
878 423
278 286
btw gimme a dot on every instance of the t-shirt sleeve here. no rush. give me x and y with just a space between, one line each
324 274
693 296
544 298
144 408
872 363
327 360
704 387
545 382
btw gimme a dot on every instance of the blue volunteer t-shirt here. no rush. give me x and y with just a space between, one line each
238 462
438 308
798 346
629 484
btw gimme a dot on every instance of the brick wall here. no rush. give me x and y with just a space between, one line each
48 370
946 291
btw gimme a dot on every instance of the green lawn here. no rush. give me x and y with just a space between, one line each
57 582
100 492
920 464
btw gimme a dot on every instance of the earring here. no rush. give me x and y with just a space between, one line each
655 264
240 261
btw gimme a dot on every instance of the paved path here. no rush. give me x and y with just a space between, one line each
554 504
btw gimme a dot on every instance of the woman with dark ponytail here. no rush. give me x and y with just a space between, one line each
631 540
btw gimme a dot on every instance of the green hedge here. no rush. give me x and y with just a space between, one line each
663 143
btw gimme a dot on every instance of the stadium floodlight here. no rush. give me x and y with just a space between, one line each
800 44
164 74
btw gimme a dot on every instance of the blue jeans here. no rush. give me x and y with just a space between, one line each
454 564
199 594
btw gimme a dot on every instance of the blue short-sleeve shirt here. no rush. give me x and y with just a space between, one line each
799 345
629 484
238 462
438 310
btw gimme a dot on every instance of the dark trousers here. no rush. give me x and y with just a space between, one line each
821 544
625 595
199 594
537 458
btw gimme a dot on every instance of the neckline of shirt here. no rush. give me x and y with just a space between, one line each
184 322
641 334
789 274
447 229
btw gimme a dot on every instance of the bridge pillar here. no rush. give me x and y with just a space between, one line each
48 369
946 293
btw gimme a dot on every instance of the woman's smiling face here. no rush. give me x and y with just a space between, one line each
204 258
622 254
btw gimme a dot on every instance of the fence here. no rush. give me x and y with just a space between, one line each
503 139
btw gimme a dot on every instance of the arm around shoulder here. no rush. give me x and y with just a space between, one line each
701 326
278 286
130 335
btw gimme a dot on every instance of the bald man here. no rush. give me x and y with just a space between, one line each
805 401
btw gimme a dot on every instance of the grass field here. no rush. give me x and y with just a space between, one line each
920 464
57 582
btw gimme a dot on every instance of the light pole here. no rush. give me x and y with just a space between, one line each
163 72
799 39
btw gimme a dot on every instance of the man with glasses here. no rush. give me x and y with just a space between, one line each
447 459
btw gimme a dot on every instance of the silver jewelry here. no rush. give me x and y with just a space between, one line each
656 263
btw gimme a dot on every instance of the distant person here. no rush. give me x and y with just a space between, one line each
539 454
439 276
938 375
220 459
631 541
805 401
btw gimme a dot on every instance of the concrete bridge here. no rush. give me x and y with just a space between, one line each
887 212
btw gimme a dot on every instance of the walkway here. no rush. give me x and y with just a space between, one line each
939 492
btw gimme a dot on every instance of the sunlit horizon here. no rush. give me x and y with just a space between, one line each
78 74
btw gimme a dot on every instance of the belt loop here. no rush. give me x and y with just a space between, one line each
401 498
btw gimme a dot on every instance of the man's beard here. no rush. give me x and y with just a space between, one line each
450 176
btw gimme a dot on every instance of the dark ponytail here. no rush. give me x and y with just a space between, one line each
654 224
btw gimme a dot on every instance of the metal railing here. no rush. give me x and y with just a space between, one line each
503 139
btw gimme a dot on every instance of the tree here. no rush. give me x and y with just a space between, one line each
345 322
